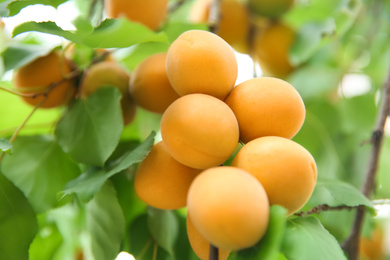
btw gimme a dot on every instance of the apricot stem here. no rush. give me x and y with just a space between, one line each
351 245
16 92
213 253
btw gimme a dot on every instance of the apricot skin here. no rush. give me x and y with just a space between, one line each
161 181
272 9
266 107
199 131
229 207
37 76
233 25
200 245
149 84
201 62
286 170
272 48
109 73
150 13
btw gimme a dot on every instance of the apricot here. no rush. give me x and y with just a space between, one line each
200 245
45 77
199 131
149 84
109 73
229 207
372 248
150 13
286 170
233 25
266 106
272 9
163 182
272 48
201 62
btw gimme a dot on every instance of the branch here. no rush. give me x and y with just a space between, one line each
351 245
176 6
213 253
215 16
325 207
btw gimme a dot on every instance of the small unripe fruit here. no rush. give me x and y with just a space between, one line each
163 182
272 9
199 131
267 107
201 62
286 170
149 84
109 74
229 207
200 245
150 13
46 75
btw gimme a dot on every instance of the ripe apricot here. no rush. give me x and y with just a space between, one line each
199 131
272 48
109 73
163 182
150 13
46 75
272 9
233 25
266 106
229 207
201 62
149 84
371 248
286 170
200 245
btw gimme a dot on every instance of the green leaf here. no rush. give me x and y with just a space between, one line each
336 193
90 130
19 54
174 29
164 228
105 224
15 6
269 246
48 238
5 146
307 239
112 33
309 39
39 168
18 224
90 182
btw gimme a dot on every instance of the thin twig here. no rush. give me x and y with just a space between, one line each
176 6
351 245
324 207
215 16
213 255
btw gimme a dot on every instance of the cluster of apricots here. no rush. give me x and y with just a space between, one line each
203 126
254 27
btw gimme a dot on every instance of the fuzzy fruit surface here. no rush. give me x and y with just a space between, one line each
201 62
163 182
229 207
267 107
199 131
149 84
286 170
40 75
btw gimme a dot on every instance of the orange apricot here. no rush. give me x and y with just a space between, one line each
149 84
272 48
372 248
199 131
233 25
286 170
200 245
229 207
266 106
272 9
163 182
201 62
111 74
45 77
150 13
